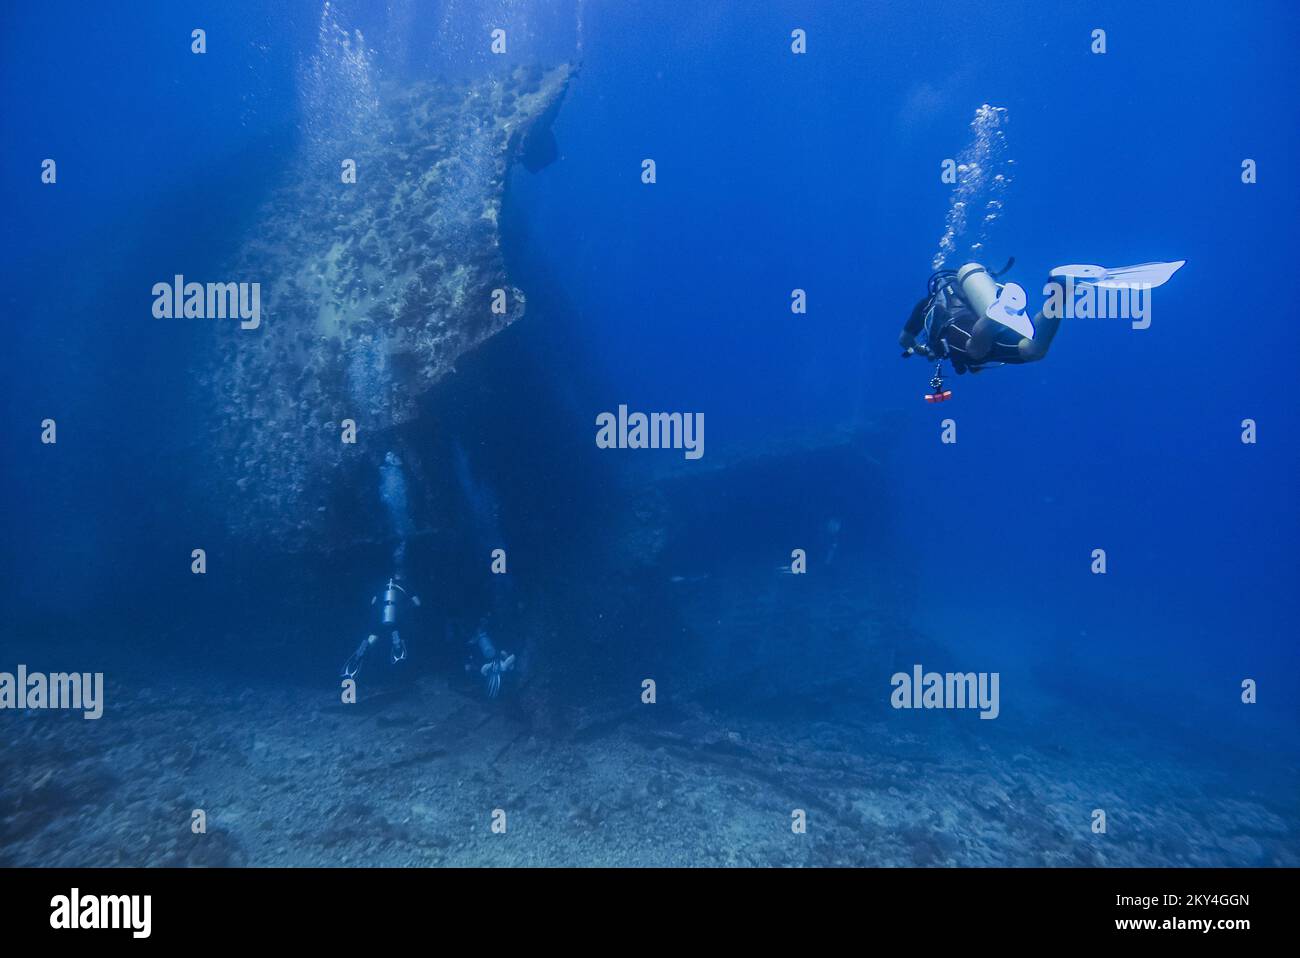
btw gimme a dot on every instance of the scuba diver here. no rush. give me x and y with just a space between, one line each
485 526
393 495
972 322
394 595
496 662
976 323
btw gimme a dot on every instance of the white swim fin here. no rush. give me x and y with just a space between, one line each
1009 310
1145 275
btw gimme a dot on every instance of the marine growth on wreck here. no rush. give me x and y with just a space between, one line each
380 265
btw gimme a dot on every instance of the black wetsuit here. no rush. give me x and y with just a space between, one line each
950 321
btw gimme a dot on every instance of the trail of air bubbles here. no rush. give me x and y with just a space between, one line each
983 175
392 491
338 86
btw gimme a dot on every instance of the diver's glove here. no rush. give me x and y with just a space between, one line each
492 671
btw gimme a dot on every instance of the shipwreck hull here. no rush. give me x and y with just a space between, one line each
371 291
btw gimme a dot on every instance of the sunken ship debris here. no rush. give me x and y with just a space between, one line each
371 290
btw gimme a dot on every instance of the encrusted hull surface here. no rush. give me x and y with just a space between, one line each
371 291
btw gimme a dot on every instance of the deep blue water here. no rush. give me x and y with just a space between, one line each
774 172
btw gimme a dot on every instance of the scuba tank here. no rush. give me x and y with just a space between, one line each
977 288
390 602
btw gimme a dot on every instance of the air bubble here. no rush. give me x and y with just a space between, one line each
984 154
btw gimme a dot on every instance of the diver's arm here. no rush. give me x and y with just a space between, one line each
415 601
907 338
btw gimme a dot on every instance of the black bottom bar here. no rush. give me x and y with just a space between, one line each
338 906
